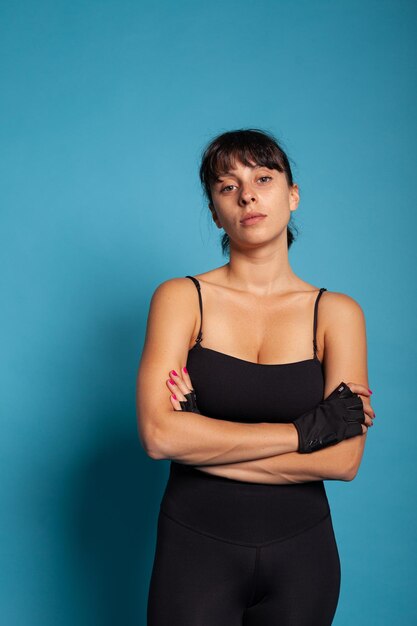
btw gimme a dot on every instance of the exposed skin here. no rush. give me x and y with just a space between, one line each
260 296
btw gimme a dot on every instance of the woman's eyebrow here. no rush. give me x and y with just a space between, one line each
229 173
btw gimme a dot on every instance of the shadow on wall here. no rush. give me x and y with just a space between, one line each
115 498
90 493
113 495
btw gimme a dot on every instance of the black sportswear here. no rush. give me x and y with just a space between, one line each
229 550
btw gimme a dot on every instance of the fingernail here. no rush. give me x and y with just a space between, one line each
172 381
370 391
174 372
184 369
174 396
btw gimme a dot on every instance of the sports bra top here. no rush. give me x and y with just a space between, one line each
233 389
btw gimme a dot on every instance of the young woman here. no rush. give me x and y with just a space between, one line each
254 413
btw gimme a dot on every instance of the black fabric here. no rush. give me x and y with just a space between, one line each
229 388
200 581
212 530
340 416
190 403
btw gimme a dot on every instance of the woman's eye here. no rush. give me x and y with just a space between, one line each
229 186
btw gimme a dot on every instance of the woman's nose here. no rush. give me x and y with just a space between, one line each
247 195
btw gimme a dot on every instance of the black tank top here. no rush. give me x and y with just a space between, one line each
233 389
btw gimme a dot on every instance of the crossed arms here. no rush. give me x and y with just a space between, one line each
260 452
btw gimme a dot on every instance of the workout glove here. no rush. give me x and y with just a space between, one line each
337 417
190 404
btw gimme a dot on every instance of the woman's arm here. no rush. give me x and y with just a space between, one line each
339 462
345 358
187 437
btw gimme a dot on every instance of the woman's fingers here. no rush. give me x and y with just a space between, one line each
369 414
362 390
186 377
175 402
359 389
178 385
179 381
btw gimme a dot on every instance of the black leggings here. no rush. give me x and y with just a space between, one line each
198 580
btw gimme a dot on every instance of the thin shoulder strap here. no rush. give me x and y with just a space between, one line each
315 319
197 284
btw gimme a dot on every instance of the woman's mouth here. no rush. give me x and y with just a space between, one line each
252 220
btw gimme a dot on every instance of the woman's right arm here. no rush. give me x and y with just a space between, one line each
183 436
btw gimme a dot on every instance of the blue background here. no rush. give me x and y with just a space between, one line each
105 109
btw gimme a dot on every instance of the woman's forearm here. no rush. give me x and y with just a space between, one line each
338 462
195 439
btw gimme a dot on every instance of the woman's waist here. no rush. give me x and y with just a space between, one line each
241 511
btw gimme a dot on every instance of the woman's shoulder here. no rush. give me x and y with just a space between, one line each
179 291
339 299
173 288
338 307
334 301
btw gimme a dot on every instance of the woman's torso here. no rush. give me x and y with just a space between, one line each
233 389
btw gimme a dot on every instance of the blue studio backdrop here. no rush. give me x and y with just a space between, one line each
105 109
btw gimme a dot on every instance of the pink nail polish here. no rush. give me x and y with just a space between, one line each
172 381
174 396
370 391
184 369
174 372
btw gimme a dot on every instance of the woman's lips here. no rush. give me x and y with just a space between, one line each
253 220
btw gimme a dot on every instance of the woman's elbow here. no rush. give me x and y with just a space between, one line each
351 473
348 474
343 471
149 440
152 450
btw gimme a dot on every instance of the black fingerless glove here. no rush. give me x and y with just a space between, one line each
190 404
338 417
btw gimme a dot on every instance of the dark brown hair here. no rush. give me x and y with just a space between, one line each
248 146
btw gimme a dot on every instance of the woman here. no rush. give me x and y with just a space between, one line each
254 414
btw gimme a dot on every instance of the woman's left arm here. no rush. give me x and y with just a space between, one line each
339 462
345 358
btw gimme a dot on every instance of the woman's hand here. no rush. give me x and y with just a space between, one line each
364 394
179 384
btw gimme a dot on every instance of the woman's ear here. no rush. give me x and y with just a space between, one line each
294 197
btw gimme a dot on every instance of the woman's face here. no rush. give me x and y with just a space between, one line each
255 188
